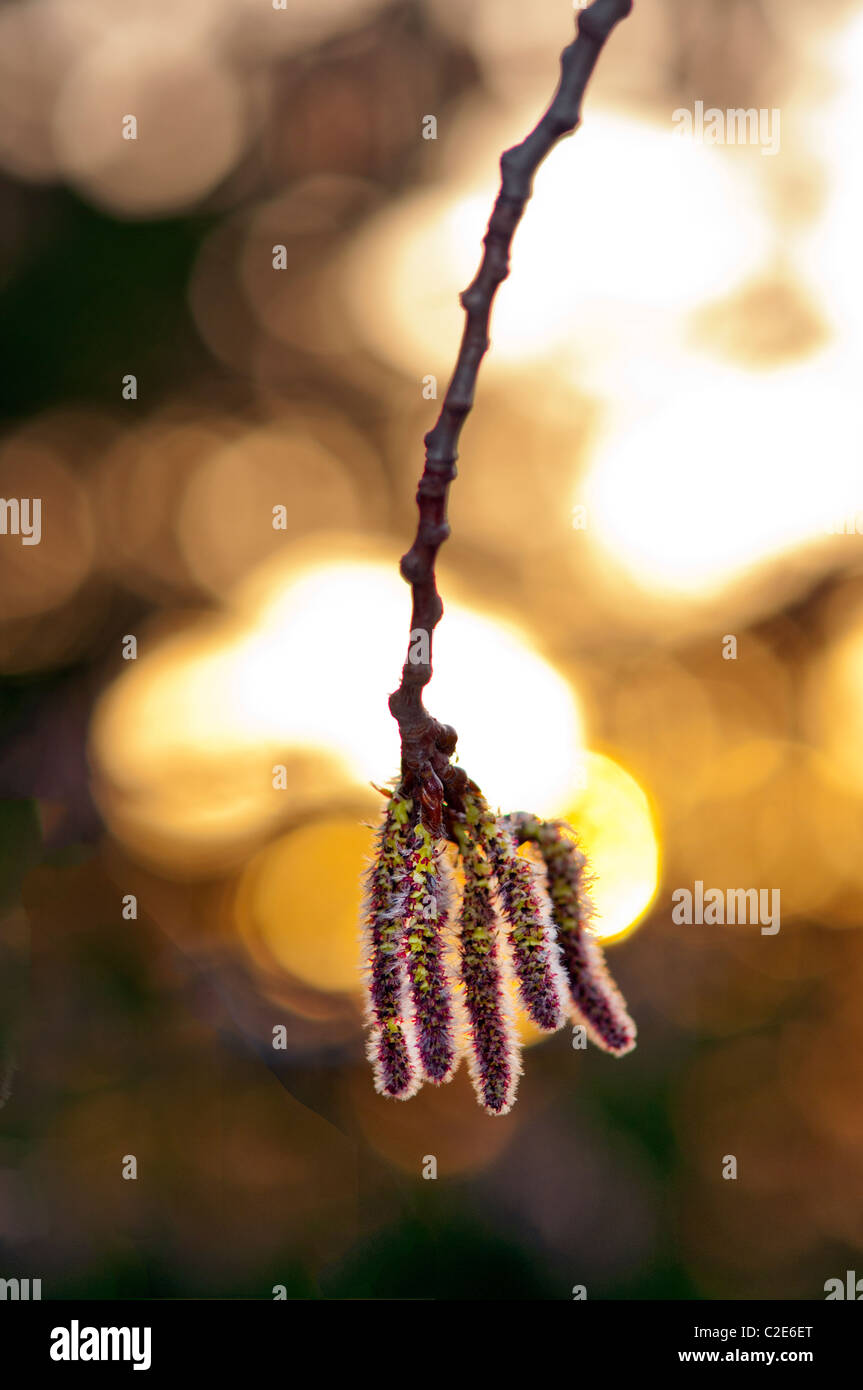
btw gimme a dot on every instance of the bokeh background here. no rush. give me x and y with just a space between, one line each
666 452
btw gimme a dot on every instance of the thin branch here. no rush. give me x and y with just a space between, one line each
427 745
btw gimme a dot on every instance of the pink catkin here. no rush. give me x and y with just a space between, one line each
535 953
426 917
494 1054
391 1049
596 1001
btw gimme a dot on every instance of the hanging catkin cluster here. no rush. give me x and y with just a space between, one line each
442 963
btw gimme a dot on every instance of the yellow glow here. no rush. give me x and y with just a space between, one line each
612 820
300 897
830 251
300 671
303 895
731 471
675 225
528 1033
351 617
835 700
236 482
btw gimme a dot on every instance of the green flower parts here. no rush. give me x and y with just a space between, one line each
440 964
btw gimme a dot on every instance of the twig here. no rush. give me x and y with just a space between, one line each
426 745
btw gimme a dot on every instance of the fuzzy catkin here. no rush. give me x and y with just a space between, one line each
596 1000
390 1047
535 953
494 1056
427 910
